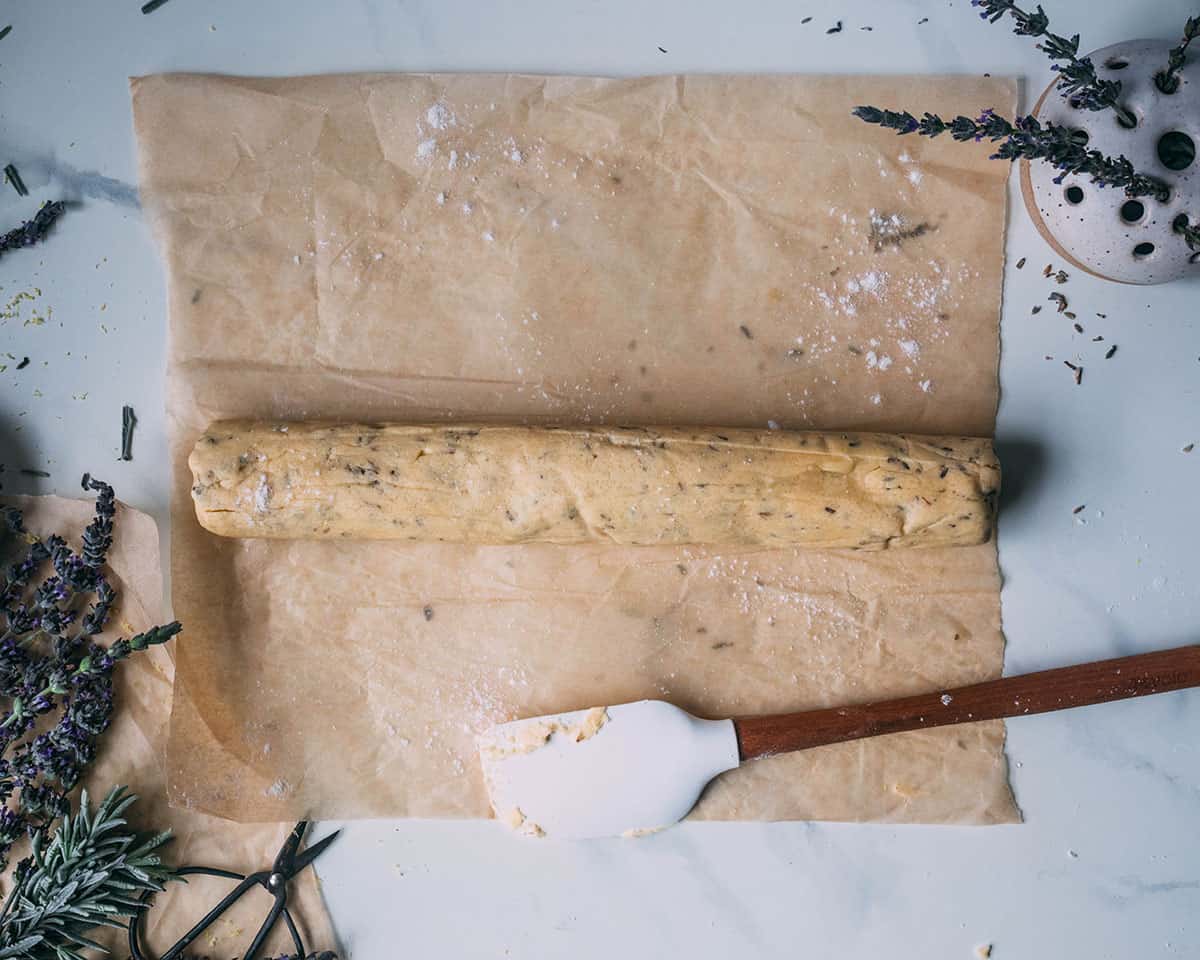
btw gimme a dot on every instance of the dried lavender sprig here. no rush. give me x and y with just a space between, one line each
1168 80
1077 78
989 125
1190 232
315 955
1026 138
73 678
1058 145
97 538
35 230
98 660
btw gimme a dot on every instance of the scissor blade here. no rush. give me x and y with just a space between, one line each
311 853
287 853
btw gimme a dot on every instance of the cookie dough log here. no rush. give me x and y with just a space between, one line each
629 485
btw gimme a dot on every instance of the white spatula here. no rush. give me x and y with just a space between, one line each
641 766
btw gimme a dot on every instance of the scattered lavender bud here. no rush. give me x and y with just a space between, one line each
13 177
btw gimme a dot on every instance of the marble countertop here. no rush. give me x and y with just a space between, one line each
1107 863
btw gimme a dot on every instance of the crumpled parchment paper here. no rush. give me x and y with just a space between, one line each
682 249
133 749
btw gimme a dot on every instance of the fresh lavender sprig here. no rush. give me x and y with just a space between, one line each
35 230
50 665
1026 138
1168 80
1077 75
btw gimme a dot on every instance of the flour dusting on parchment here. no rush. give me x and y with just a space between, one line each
896 315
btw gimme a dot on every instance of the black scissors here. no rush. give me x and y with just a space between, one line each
287 864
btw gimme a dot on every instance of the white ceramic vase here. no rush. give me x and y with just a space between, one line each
1100 229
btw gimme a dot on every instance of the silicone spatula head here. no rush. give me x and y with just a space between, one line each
603 772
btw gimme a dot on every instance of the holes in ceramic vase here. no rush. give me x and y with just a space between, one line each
1143 250
1132 211
1116 63
1073 194
1176 150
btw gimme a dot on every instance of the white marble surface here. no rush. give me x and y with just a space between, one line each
1108 862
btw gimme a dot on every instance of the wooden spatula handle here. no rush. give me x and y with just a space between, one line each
1059 689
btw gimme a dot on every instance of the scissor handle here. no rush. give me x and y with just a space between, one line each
276 909
245 883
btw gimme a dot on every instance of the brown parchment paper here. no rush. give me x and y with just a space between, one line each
685 250
132 752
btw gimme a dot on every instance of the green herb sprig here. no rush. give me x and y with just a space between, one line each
92 872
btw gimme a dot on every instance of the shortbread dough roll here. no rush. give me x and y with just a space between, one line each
480 484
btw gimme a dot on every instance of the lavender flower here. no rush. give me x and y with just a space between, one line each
1026 138
32 231
1076 76
1168 80
51 668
